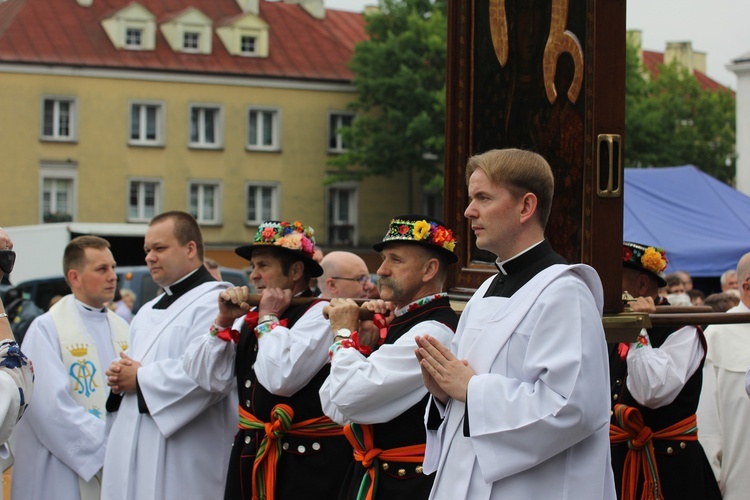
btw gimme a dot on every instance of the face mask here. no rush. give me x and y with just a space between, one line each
7 260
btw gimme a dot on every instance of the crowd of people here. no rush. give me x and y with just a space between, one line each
322 384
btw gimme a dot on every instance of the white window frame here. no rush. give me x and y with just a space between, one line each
333 217
72 135
218 126
188 35
339 147
201 184
141 182
161 115
54 171
275 129
275 201
141 34
255 41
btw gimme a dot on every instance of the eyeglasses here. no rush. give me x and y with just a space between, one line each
362 279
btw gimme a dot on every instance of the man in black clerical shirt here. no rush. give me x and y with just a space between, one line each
525 377
170 437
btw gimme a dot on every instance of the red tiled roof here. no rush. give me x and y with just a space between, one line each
652 61
61 32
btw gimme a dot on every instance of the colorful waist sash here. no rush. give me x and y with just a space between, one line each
361 439
641 457
269 449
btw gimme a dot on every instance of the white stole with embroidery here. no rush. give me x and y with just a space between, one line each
80 356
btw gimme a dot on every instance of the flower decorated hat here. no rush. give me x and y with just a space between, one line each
285 236
653 260
424 231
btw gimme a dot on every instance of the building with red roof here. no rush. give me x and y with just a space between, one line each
115 110
680 52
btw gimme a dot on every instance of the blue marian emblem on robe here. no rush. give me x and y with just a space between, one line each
83 372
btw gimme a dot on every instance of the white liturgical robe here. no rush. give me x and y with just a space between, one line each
538 406
180 449
724 407
58 442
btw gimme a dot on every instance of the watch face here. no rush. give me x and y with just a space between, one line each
343 332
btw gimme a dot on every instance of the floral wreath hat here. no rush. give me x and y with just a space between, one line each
288 237
424 231
653 260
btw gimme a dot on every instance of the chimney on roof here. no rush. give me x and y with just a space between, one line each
635 38
371 10
313 7
683 54
85 3
248 6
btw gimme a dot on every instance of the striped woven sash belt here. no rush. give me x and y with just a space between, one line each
269 449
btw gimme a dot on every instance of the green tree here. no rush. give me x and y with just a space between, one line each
400 79
671 120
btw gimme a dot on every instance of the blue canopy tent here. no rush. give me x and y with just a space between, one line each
702 223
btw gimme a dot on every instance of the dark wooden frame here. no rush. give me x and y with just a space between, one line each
604 98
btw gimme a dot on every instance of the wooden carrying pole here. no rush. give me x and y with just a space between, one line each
364 314
631 322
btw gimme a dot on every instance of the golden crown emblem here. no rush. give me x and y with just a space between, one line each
78 350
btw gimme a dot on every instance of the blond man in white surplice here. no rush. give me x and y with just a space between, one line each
60 442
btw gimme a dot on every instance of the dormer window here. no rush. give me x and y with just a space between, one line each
133 38
188 31
248 44
190 41
246 35
131 28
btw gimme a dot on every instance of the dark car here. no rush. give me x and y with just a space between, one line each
138 279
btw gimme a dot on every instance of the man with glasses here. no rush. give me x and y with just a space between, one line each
345 275
375 384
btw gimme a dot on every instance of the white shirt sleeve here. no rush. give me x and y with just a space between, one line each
747 382
657 375
378 388
16 386
288 358
210 361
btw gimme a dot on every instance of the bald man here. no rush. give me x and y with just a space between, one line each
345 275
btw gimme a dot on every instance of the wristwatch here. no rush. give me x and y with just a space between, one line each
344 333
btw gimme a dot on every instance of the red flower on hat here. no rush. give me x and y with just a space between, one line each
403 229
442 235
627 254
268 233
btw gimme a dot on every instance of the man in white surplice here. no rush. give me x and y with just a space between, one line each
170 438
724 408
520 401
60 442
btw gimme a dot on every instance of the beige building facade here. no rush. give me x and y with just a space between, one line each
88 140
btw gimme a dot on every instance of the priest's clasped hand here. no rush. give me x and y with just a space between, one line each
444 375
121 374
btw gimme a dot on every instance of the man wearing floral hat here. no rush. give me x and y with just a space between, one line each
278 354
375 385
656 383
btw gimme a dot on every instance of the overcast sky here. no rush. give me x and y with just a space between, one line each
720 28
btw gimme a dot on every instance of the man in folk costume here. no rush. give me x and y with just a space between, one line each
724 408
656 383
375 385
278 354
519 405
170 437
60 443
